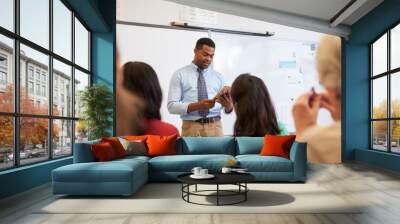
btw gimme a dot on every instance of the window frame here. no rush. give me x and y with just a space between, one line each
16 115
3 70
3 77
6 61
388 74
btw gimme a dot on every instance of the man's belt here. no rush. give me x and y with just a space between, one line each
208 119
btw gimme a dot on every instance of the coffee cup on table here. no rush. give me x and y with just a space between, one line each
226 170
203 172
196 171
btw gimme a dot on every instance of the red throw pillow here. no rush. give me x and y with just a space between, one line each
116 145
277 145
103 152
161 145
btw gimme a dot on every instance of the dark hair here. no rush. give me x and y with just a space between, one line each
141 79
255 113
204 41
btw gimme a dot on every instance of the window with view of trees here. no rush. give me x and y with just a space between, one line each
385 92
44 65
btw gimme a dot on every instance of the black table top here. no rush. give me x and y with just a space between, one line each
220 178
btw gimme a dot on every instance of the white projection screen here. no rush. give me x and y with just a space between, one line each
287 67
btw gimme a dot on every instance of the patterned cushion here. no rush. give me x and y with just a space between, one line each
134 147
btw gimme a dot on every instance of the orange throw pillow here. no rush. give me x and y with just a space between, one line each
136 138
161 145
277 145
116 145
103 152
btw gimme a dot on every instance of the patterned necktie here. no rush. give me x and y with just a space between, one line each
202 92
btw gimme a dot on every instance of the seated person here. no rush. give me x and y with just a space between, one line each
128 107
141 80
255 113
323 141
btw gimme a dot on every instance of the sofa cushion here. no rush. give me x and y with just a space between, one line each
134 147
257 163
136 137
116 145
134 157
112 171
206 145
249 145
161 145
103 152
277 145
185 163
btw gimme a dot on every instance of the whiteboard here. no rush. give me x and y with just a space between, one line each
166 50
287 67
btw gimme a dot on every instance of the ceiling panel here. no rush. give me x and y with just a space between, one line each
362 11
314 15
320 9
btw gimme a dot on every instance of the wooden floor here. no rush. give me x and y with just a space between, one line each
353 182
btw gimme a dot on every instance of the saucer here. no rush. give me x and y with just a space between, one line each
208 176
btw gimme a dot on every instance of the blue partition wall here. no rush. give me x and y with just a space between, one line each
356 125
99 15
103 50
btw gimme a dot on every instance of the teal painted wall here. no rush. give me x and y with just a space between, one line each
90 11
379 159
99 16
103 59
356 103
24 178
103 52
356 84
103 63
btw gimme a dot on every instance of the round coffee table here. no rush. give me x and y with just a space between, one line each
238 179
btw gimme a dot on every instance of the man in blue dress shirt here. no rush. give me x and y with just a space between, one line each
197 93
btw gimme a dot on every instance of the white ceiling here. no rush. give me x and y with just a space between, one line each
165 12
320 9
314 15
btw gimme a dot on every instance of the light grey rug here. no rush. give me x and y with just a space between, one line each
166 198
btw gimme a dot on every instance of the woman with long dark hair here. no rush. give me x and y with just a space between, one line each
255 113
140 79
